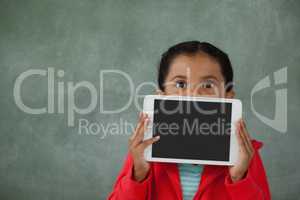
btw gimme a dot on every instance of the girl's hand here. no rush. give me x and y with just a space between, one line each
246 151
137 147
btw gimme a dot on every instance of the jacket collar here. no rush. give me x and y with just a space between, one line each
173 175
209 174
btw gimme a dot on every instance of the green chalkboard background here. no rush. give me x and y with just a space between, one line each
41 157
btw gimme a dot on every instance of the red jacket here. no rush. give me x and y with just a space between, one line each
163 183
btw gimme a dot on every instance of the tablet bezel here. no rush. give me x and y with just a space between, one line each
236 114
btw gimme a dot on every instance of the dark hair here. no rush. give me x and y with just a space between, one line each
192 48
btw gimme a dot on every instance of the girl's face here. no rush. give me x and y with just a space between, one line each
196 75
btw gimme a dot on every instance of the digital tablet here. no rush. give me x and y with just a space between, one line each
196 130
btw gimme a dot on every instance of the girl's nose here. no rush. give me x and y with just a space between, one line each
198 92
194 91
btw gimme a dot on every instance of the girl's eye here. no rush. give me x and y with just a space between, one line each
181 84
207 85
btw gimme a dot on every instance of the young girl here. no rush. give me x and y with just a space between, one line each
195 69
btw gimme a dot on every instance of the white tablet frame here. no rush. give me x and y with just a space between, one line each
236 114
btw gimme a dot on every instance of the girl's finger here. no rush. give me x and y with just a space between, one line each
242 133
247 136
140 133
138 126
150 141
239 138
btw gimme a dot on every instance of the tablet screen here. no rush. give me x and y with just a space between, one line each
192 130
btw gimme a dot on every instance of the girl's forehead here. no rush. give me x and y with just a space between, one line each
197 66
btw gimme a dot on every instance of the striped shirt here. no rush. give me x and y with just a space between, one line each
190 176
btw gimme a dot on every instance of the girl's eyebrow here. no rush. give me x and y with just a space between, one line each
209 77
203 77
179 76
